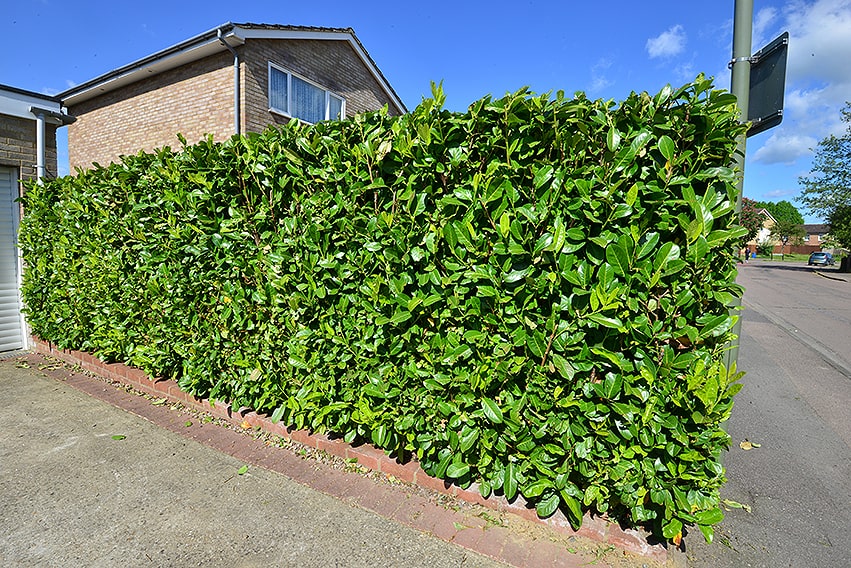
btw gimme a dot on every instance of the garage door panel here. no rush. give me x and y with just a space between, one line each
11 323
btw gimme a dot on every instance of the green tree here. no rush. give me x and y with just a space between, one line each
788 234
827 190
828 186
751 219
782 211
840 225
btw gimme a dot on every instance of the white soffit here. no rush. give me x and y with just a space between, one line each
138 71
17 103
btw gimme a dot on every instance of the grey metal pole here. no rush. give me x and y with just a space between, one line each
39 148
237 112
740 86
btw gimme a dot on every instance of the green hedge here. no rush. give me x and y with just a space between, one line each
531 295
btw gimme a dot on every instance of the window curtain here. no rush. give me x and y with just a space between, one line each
308 101
278 90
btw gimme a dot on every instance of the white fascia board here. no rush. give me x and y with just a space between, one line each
18 105
254 33
137 72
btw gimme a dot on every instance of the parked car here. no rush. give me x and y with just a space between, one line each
822 258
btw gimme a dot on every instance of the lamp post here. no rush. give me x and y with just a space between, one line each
740 86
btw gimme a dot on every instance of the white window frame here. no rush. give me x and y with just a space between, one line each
287 111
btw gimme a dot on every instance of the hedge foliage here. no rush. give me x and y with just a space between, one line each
530 295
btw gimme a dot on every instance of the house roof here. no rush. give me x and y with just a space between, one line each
28 104
817 229
767 214
208 43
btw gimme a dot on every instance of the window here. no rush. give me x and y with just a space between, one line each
293 96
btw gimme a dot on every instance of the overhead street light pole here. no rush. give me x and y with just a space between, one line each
740 87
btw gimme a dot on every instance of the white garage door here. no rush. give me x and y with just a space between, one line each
11 322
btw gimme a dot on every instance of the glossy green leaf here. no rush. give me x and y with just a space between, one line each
457 470
509 484
666 146
573 509
492 411
618 258
546 507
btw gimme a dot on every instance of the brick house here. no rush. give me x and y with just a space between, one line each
232 79
28 123
816 234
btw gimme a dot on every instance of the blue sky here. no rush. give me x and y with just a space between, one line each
479 48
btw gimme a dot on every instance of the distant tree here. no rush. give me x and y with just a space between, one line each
827 190
828 187
782 211
788 233
751 219
840 225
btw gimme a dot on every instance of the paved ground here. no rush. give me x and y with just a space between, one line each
796 404
73 495
106 477
87 484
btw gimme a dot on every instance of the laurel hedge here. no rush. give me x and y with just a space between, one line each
530 295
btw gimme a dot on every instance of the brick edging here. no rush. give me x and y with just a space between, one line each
594 528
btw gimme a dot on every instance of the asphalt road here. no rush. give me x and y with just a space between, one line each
796 404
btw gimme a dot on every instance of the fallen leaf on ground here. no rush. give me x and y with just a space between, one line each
242 470
246 425
730 504
748 445
119 437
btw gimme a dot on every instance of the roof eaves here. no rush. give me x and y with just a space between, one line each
126 70
236 33
33 94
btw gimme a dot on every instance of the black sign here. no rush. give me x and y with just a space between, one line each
768 81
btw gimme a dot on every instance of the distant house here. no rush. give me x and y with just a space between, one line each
816 234
28 123
763 236
232 79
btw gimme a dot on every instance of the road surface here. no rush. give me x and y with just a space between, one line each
796 404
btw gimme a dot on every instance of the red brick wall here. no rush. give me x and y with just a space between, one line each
193 100
797 249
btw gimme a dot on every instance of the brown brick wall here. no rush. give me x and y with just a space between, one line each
18 146
194 100
331 64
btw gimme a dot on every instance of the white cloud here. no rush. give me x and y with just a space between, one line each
667 44
816 110
685 71
762 22
599 81
784 148
820 41
779 193
818 77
